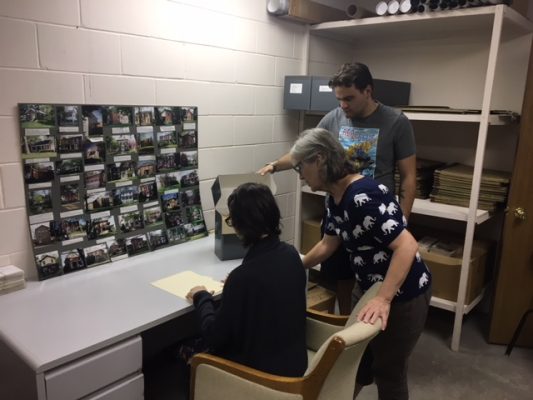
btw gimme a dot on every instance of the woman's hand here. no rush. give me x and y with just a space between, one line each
195 290
378 307
404 249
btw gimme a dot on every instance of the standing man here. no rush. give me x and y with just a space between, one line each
377 137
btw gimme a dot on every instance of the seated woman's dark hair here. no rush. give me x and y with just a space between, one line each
254 212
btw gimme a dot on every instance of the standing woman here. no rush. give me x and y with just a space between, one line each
366 219
261 319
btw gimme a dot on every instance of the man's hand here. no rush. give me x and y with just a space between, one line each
267 169
281 164
195 290
378 307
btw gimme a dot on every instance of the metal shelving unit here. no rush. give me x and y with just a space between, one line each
497 39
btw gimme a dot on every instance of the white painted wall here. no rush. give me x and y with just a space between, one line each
226 57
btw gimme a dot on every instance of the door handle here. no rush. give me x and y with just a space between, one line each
520 213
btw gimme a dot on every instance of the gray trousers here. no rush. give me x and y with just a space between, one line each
385 359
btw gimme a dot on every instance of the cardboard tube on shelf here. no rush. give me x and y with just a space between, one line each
381 8
278 7
393 7
407 6
355 12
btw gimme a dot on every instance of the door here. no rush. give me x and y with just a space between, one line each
514 285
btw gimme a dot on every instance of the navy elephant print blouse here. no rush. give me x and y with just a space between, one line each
367 219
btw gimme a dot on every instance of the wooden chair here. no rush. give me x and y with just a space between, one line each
335 346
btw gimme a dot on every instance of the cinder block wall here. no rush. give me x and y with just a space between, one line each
226 57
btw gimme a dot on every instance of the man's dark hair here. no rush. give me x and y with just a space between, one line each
254 212
355 74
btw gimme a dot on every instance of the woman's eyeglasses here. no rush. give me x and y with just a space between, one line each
228 221
298 167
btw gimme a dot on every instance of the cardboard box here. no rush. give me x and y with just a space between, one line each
310 12
310 234
446 270
321 299
227 245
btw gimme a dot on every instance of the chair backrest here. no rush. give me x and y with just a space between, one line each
339 355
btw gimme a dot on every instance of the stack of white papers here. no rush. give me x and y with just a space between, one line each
11 279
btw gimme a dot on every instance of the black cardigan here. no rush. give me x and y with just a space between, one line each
261 319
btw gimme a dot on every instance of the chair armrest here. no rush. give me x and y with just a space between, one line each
276 382
332 319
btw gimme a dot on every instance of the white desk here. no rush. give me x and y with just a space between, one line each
52 323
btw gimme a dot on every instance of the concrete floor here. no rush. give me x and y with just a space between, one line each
478 371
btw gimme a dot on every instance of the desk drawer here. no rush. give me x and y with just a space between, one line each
128 389
86 375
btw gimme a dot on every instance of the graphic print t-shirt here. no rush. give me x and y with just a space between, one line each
396 138
367 220
361 145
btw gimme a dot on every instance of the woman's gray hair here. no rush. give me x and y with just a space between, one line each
316 141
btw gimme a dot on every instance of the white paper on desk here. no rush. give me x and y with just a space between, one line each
180 284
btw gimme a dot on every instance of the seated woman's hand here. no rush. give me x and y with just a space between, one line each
195 290
376 308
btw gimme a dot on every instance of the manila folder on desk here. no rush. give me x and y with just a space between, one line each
180 284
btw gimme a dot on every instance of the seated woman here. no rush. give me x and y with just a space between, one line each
261 319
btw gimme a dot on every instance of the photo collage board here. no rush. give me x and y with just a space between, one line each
107 182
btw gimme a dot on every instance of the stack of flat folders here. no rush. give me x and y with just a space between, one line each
424 177
452 185
11 279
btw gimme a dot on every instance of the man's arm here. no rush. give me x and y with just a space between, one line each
284 162
407 168
281 164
